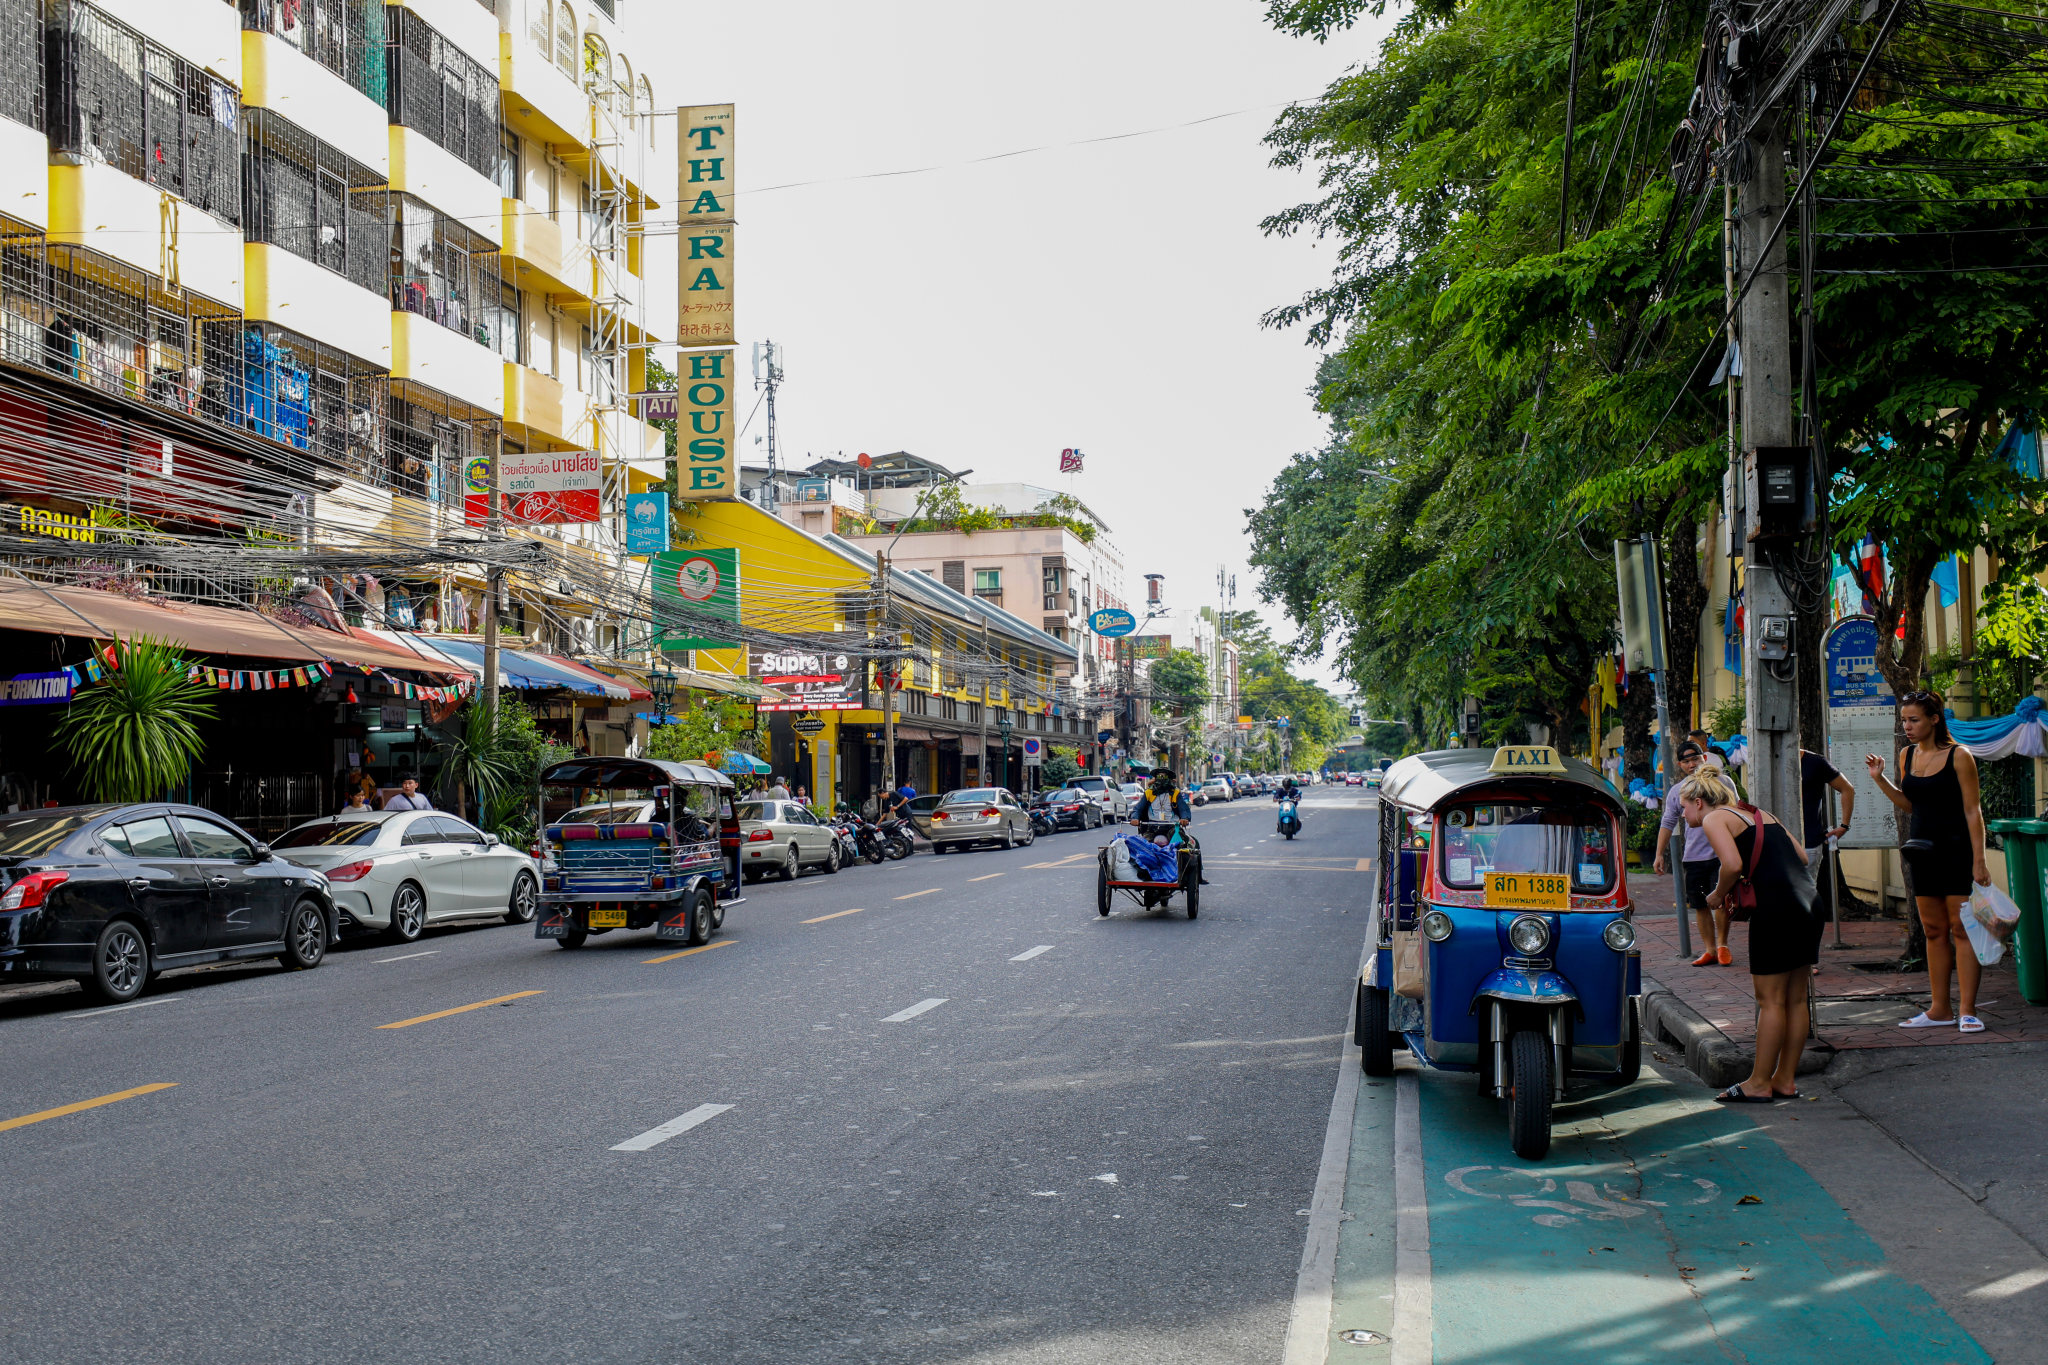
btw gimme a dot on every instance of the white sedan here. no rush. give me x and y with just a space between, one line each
782 838
398 871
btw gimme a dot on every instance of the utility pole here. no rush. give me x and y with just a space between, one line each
1769 659
494 587
886 677
983 774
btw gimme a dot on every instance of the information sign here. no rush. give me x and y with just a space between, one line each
1861 716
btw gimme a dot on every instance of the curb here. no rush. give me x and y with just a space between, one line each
1710 1054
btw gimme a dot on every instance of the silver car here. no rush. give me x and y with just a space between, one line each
397 871
981 815
782 838
1106 794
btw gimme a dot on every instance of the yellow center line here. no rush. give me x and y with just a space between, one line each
462 1009
79 1108
688 952
915 894
822 918
1364 865
989 878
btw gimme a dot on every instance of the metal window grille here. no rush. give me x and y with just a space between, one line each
439 92
116 98
299 393
565 40
606 6
21 66
429 439
443 271
304 195
345 36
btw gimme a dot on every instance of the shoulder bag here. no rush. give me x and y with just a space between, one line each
1742 896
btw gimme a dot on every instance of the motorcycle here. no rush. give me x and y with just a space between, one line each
1290 819
868 840
897 836
1042 821
849 843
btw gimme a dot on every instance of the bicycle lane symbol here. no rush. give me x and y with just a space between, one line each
1608 1205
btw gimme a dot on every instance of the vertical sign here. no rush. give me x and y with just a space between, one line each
707 458
692 585
1860 714
706 179
646 523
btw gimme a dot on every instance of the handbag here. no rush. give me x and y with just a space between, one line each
1742 896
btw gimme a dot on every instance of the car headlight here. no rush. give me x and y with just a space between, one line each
1620 935
1529 934
1436 926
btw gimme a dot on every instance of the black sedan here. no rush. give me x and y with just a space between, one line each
1070 808
112 895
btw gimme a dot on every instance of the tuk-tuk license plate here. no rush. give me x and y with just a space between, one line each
1528 891
607 919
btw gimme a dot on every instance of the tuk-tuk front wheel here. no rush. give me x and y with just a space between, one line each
1632 1047
1529 1109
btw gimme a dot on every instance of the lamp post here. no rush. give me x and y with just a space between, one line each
662 683
1003 729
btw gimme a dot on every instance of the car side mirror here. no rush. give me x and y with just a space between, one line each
263 854
491 841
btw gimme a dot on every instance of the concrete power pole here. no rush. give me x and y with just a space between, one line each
1769 686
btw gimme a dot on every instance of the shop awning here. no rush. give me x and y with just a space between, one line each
529 672
633 691
87 614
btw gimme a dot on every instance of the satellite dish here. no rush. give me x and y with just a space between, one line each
864 460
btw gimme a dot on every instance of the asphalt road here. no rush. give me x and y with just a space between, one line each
1099 1145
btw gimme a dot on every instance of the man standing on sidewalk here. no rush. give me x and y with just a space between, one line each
1816 775
1702 866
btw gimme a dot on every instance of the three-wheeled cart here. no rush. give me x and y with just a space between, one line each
1149 895
657 847
1501 936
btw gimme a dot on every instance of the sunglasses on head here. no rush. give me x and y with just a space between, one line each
1921 699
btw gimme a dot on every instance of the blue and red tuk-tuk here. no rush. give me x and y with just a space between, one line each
634 843
1501 935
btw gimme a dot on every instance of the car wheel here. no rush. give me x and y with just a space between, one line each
832 860
1009 837
408 914
791 868
1030 836
120 964
305 937
525 900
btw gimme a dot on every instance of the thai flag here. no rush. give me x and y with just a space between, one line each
1870 572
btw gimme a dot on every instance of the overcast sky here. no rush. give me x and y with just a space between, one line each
985 316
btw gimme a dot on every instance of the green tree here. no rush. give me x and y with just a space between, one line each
133 735
1059 768
1181 679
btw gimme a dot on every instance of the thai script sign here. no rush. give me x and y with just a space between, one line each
535 488
646 523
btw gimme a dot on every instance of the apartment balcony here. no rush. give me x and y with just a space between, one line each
325 72
539 256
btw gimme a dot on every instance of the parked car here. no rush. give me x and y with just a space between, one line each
1216 789
1071 808
397 871
1116 807
783 838
112 895
981 815
1133 793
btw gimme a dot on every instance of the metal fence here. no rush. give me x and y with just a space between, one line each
265 806
345 36
21 61
306 196
440 92
115 98
444 272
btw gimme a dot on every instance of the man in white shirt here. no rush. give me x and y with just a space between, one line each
776 791
409 797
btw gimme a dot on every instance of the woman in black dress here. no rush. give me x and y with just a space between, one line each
1938 784
1784 933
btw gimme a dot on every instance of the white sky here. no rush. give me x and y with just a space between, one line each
987 316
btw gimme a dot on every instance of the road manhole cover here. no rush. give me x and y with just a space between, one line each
1360 1336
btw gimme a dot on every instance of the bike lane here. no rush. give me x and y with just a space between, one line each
1630 1242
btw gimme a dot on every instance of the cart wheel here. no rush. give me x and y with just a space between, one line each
1101 887
1194 890
1632 1050
1375 1043
1529 1111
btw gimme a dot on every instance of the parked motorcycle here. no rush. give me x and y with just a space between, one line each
898 838
868 839
849 843
1042 821
1290 819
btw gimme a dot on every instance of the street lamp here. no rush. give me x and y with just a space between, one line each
1003 730
663 684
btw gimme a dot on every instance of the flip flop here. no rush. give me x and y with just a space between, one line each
1969 1023
1921 1020
1735 1094
1784 1094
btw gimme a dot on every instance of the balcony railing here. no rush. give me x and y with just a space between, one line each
438 91
444 272
304 195
345 36
21 61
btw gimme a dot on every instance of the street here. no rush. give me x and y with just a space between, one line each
1094 1148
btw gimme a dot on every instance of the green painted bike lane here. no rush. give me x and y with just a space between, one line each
1628 1243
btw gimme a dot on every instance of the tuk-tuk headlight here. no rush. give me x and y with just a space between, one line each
1529 934
1620 935
1436 926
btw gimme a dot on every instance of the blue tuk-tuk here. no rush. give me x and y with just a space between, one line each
1501 934
635 843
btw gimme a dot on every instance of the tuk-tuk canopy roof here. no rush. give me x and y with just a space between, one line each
1426 781
630 773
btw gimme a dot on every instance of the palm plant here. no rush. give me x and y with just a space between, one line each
135 735
486 758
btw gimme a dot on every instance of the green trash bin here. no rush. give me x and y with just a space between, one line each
2025 867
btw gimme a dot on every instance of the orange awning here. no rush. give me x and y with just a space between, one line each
92 615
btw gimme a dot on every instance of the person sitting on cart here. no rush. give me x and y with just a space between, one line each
1164 803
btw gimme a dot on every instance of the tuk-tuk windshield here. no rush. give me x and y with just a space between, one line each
1569 840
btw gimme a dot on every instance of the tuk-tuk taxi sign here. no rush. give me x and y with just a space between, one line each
1528 891
1526 758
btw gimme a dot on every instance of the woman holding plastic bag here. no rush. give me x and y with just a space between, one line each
1945 848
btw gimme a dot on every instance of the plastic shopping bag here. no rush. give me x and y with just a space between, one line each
1989 917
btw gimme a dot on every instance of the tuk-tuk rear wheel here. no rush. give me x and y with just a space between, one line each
571 940
1375 1044
700 919
1529 1108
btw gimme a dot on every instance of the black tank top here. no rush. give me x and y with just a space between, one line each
1937 801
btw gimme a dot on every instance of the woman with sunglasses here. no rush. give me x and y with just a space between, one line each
1945 847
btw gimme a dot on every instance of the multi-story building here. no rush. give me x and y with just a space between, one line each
317 262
